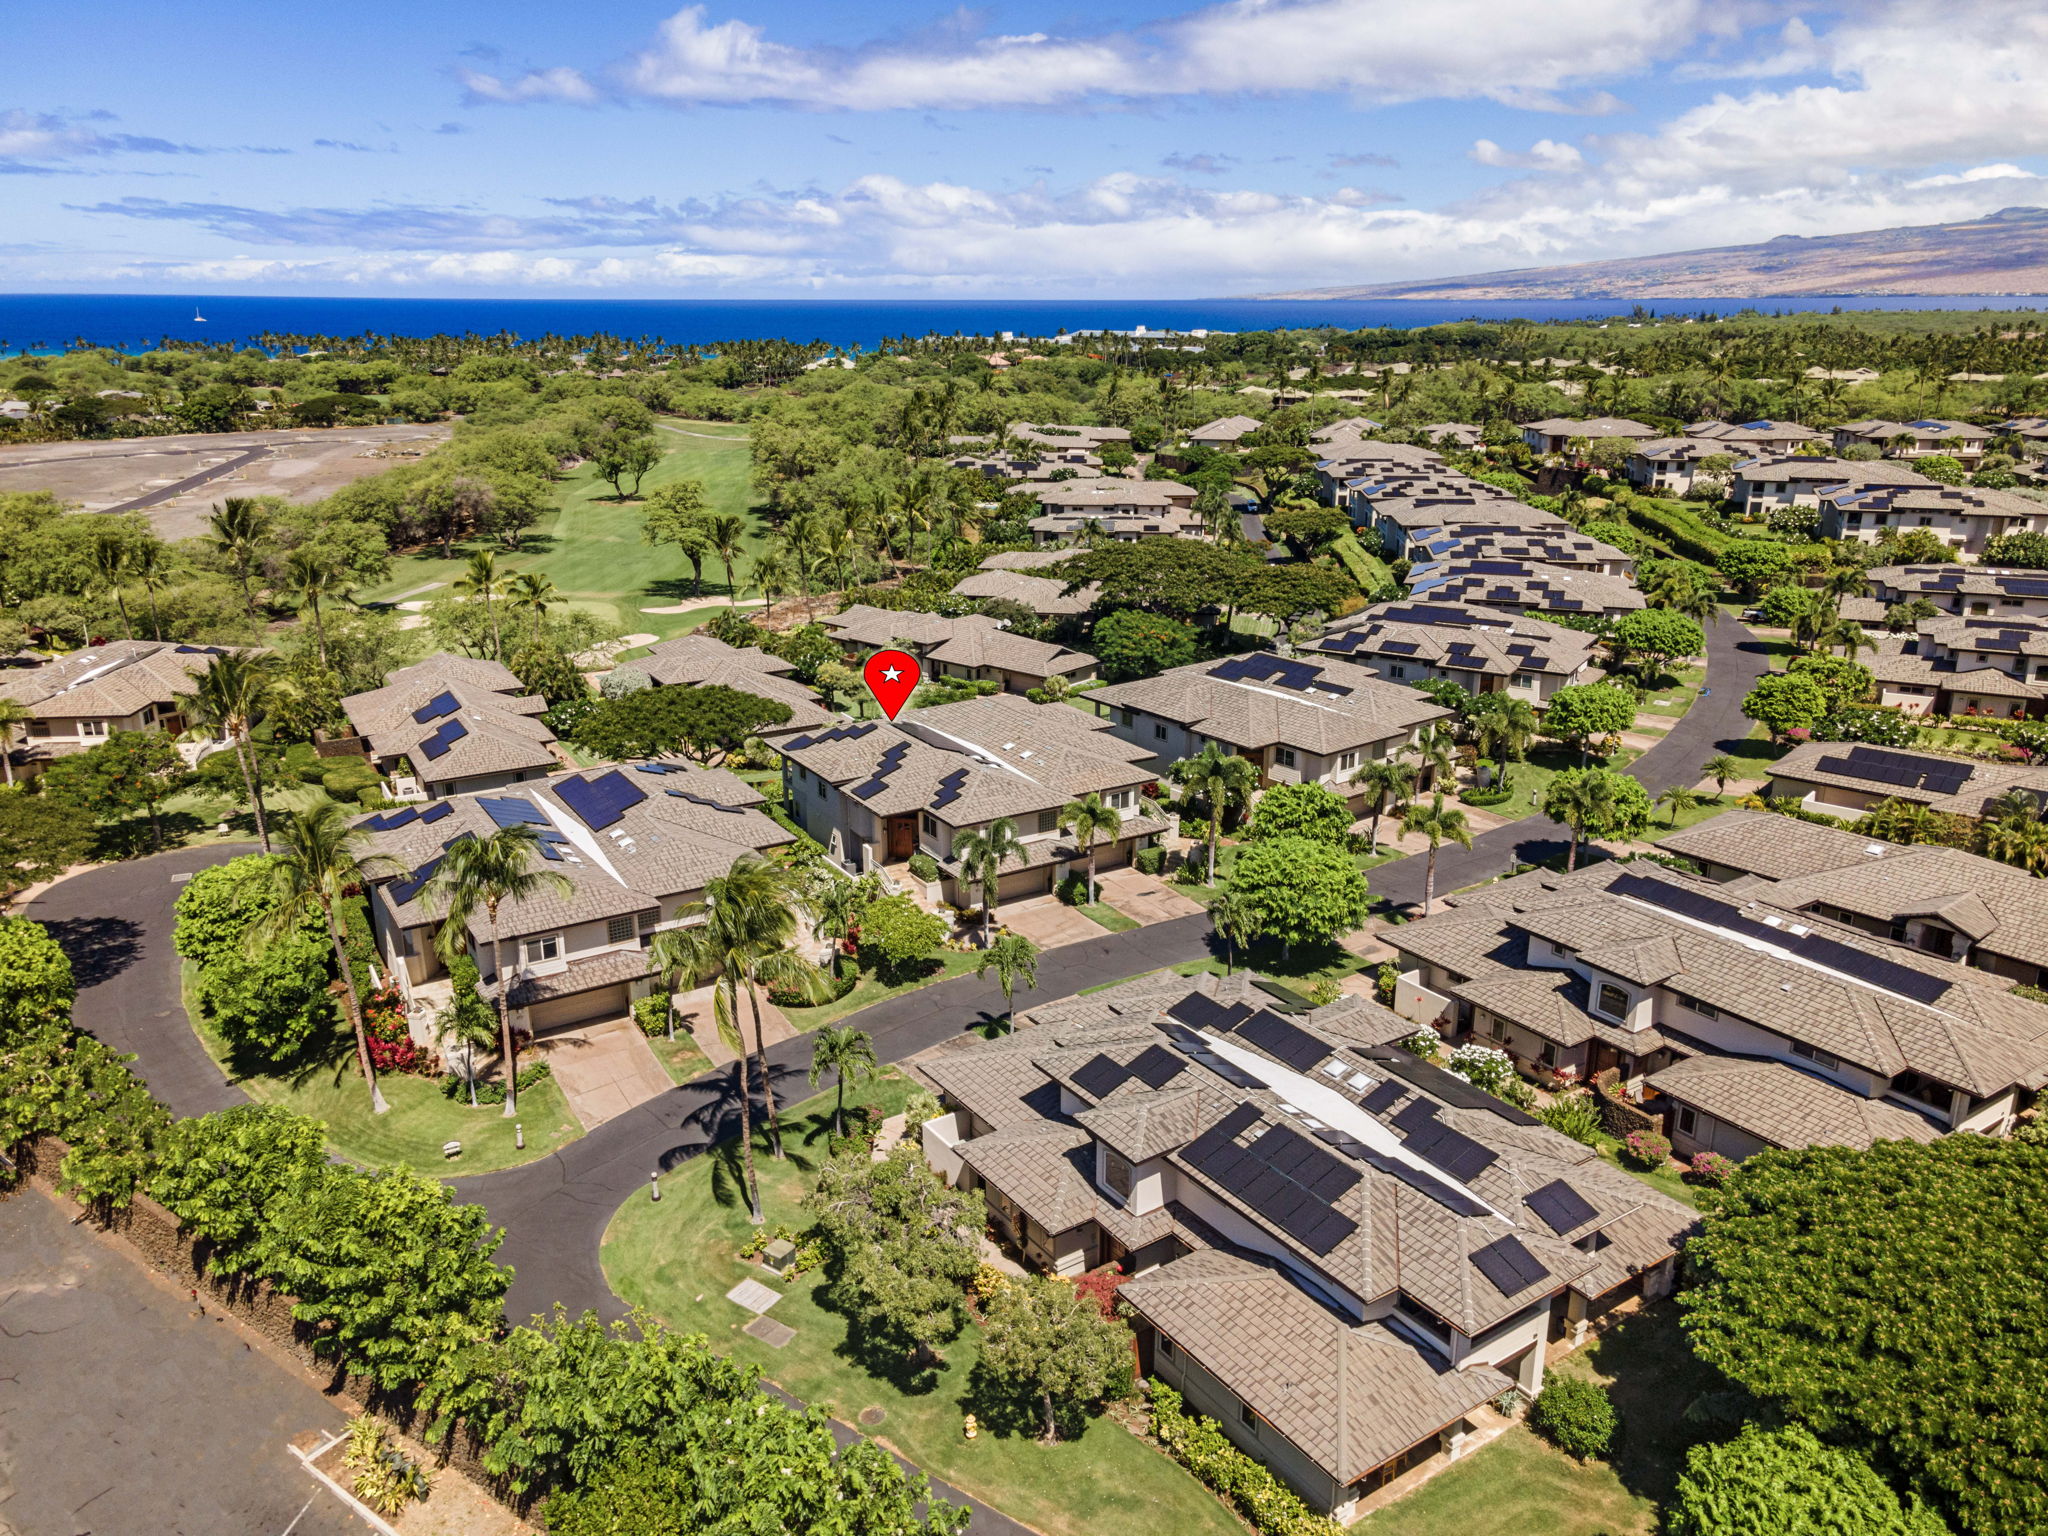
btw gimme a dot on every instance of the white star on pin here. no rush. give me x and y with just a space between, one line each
890 674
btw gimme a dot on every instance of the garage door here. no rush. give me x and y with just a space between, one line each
580 1008
1023 883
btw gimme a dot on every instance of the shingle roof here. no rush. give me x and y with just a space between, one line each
1523 584
1460 637
1593 427
700 660
120 678
1337 711
1224 429
1804 764
1786 1106
1043 595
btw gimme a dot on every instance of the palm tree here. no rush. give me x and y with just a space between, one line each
726 532
771 575
1089 818
308 577
1439 824
12 713
533 592
849 1055
1502 726
480 580
474 1030
235 530
1437 747
1680 797
836 905
1236 923
146 561
1223 779
482 874
316 866
110 564
227 699
748 932
1015 958
982 855
1389 779
1578 803
1721 768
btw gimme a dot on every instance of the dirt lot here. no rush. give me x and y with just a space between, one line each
177 480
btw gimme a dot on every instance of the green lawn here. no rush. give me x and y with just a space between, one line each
1519 1486
1675 692
421 1116
1108 917
1665 1180
1306 965
591 548
680 1057
1530 781
872 990
678 1258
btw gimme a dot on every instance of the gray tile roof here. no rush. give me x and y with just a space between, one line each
1786 1106
111 681
1252 715
1459 637
1776 847
700 660
1523 584
971 640
1045 596
1986 781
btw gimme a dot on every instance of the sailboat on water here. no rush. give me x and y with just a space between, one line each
197 318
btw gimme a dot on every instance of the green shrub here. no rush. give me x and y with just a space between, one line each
836 988
1495 794
455 1085
1072 889
923 866
1646 1151
1574 1415
348 778
1785 1482
1199 1444
652 1014
1150 861
1576 1116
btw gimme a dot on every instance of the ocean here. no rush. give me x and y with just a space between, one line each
50 322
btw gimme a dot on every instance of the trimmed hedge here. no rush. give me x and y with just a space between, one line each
1199 1444
1150 861
842 984
456 1086
1575 1415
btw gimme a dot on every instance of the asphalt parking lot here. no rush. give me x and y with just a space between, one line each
122 1413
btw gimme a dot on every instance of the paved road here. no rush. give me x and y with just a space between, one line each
115 923
121 1411
191 482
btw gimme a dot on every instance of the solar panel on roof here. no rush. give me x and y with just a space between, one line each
657 768
1282 1040
1100 1077
1561 1207
1458 1155
949 789
440 704
1384 1097
1448 1086
1417 1119
437 811
1156 1066
1510 1267
1198 1010
437 746
601 801
403 891
509 810
391 821
1316 1227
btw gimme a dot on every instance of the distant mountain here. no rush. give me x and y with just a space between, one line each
2004 253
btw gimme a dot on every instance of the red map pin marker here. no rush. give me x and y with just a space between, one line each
891 677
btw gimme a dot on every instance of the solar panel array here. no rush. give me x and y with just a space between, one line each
1447 1086
403 891
1155 1067
1509 1266
600 801
660 768
1281 1040
1816 948
949 789
511 811
890 760
1277 672
437 745
391 821
1198 1010
201 650
1561 1207
440 704
837 733
1282 1176
434 813
1937 776
1382 1097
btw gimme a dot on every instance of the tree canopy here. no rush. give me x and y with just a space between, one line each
1298 891
904 1244
706 723
1131 643
1785 701
1655 637
1302 810
1581 711
1784 1482
1047 1340
36 984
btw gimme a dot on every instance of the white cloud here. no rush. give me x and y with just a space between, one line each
1543 155
1538 56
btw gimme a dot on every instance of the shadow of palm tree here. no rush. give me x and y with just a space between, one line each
99 948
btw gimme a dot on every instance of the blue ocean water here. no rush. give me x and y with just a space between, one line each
44 322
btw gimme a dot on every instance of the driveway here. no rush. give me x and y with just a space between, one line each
605 1069
1145 898
1048 922
123 1410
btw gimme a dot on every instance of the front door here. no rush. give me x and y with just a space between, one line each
902 838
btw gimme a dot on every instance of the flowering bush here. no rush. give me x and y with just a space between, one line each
1483 1067
1646 1150
401 1055
1100 1287
1710 1169
1423 1043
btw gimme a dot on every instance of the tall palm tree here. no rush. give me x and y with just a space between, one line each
148 563
1578 803
1388 778
771 575
1722 767
1437 747
479 580
748 932
317 864
982 855
1223 779
534 593
480 875
110 564
236 530
309 576
1089 818
726 532
1014 958
849 1055
1503 726
1440 824
12 713
1236 923
836 905
227 699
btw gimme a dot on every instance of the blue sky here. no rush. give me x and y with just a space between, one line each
1054 150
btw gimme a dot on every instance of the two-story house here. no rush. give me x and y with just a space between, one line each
970 648
1751 1025
1117 507
1520 586
1671 466
1396 522
1224 432
874 793
698 661
451 725
1962 517
1554 433
635 843
1337 1251
1296 721
1746 439
79 701
1965 666
1482 650
1977 590
1770 481
1463 544
1917 439
1843 779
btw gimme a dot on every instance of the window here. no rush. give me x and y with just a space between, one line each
1166 1346
1613 1000
1248 1418
931 827
1495 1030
92 728
1560 949
1284 756
1397 670
547 947
1687 1121
648 920
1159 733
1549 1054
1704 1010
1123 717
1523 680
1116 1172
1347 760
618 930
1814 1054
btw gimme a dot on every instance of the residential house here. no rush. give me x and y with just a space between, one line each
1814 1032
1965 666
1465 544
1750 438
1064 437
1672 465
2032 432
875 793
1398 521
1552 434
1224 432
1943 901
1296 722
1769 481
635 842
452 725
1045 596
1122 509
1963 517
1520 586
699 661
1840 779
77 702
1482 650
1971 589
971 648
1454 434
1917 439
1337 1251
